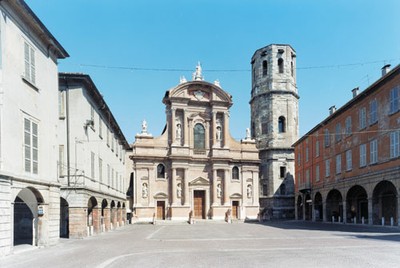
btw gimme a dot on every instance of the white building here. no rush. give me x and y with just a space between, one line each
92 160
29 187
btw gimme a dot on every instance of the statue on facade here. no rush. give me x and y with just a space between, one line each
197 76
178 132
219 191
179 190
144 127
219 133
248 136
249 191
144 190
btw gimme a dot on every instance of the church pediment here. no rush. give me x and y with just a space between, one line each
199 181
236 195
160 195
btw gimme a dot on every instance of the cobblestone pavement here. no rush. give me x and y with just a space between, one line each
276 244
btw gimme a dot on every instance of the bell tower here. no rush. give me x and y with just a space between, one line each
275 126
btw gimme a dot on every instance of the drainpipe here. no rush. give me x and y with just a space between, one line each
67 122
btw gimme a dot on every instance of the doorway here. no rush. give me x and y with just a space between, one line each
160 210
235 209
199 204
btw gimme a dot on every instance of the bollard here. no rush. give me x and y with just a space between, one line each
339 220
383 221
362 220
391 221
354 220
333 218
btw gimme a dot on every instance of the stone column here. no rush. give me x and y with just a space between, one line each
186 187
214 129
226 129
313 211
96 213
173 186
77 222
185 129
226 190
207 136
173 136
256 189
214 188
107 219
304 207
398 211
370 211
323 211
344 211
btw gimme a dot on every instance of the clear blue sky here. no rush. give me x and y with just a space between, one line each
340 44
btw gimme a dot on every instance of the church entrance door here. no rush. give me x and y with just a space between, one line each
160 210
199 204
235 209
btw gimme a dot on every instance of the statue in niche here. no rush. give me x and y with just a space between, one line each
219 133
178 132
144 190
219 191
179 190
249 191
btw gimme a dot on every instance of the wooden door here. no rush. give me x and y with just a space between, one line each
160 210
199 204
235 209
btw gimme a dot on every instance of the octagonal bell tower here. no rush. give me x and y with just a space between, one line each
275 126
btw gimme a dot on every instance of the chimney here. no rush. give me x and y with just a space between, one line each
332 109
355 91
385 69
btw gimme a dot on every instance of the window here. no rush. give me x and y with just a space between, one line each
338 132
112 178
362 114
394 144
199 137
235 173
298 158
29 74
61 104
280 65
92 165
373 147
112 140
264 128
61 160
317 173
307 176
31 146
283 172
338 164
265 68
160 171
373 113
348 125
317 148
363 155
326 138
100 128
327 167
282 124
394 100
100 169
108 137
349 160
306 154
292 68
108 174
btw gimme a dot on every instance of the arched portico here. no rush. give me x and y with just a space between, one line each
113 215
27 217
334 206
299 207
357 204
105 216
308 207
318 208
64 218
384 203
93 222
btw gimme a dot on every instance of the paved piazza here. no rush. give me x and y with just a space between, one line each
277 244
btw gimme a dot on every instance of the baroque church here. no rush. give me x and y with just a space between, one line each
196 170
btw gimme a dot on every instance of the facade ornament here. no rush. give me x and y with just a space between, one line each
197 76
217 83
182 80
248 136
219 190
179 190
219 133
178 132
199 94
249 191
144 190
144 127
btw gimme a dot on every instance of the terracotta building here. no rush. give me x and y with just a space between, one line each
348 166
195 169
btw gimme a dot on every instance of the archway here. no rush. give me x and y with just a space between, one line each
105 216
26 216
299 207
357 204
113 215
384 204
92 216
334 206
64 218
319 214
119 214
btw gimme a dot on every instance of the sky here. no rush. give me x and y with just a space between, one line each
136 50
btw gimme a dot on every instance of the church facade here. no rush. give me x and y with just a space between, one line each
195 169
